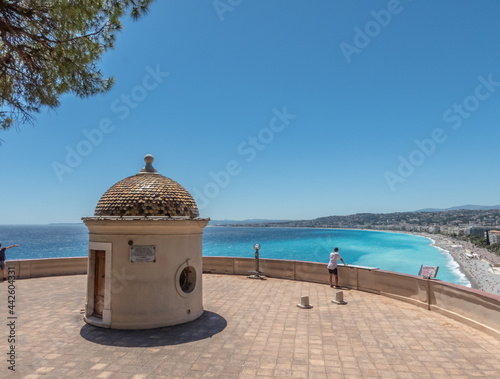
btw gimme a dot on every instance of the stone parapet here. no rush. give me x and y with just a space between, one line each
36 268
473 307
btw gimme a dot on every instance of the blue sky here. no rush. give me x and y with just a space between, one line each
282 110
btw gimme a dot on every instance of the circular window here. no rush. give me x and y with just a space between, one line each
187 279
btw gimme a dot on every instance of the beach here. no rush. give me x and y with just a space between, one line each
477 264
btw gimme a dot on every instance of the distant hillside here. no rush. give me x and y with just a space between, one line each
398 220
454 216
460 207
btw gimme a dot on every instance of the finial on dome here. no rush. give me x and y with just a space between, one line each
148 169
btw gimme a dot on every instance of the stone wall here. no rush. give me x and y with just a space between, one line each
472 307
35 268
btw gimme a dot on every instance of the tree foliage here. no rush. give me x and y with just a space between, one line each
495 248
52 47
479 241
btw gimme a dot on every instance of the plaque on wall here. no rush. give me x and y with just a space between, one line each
141 254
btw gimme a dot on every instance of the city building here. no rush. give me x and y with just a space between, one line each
494 236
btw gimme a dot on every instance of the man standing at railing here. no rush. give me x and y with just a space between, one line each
2 259
332 266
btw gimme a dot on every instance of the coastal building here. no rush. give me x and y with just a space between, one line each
476 230
455 230
434 229
145 254
494 236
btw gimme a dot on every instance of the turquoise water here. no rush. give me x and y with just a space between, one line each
45 241
388 251
397 252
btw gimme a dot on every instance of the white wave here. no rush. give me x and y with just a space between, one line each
454 267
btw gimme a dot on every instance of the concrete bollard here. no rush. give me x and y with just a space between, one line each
304 303
339 298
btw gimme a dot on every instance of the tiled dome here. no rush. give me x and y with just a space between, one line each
147 194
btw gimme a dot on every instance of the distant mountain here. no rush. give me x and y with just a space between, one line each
467 207
242 222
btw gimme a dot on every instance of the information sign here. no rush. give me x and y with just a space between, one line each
428 271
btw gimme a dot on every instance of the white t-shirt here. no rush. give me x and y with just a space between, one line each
334 257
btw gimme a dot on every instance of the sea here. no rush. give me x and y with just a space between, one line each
398 252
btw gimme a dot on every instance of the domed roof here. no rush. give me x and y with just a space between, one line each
147 194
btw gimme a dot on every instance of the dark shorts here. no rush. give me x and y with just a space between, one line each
2 265
334 271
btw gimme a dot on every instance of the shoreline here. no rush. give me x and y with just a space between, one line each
478 270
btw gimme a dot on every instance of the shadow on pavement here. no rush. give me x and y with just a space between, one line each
206 326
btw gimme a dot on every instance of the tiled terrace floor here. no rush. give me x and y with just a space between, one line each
250 328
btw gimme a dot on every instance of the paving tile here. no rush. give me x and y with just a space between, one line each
264 335
105 374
